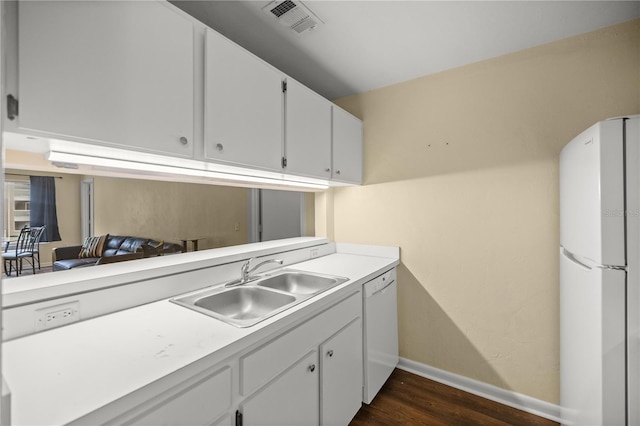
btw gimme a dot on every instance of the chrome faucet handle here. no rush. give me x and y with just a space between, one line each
244 270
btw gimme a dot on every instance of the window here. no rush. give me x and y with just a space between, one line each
16 205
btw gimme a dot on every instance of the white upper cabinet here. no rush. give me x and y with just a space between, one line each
107 72
145 76
243 106
308 132
347 147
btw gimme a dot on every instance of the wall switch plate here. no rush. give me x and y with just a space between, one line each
55 316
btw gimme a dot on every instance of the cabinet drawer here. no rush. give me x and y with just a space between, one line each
264 363
197 401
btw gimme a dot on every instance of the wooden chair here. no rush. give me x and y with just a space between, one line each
27 247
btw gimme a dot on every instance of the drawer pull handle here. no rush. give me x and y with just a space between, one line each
183 140
330 353
219 147
312 368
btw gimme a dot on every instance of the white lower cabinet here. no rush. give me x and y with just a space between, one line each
290 399
308 376
341 375
199 400
225 421
324 387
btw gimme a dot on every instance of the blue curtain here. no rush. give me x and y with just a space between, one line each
43 206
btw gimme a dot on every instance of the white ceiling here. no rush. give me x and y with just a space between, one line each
364 45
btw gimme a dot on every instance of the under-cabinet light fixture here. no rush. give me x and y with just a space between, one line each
152 165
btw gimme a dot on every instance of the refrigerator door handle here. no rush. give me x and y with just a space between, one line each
573 258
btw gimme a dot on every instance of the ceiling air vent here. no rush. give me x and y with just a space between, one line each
293 14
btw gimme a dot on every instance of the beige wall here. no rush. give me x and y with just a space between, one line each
309 215
171 211
461 172
67 209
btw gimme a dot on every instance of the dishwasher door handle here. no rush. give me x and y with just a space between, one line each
383 288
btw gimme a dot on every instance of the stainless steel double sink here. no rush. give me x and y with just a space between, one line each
248 304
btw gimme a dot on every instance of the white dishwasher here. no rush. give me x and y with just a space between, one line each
380 332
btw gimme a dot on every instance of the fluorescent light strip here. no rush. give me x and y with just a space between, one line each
149 158
133 165
89 150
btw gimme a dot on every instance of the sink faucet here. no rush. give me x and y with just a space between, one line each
245 271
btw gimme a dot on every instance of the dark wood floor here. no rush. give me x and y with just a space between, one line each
408 399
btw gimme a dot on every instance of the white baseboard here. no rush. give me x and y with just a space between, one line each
503 396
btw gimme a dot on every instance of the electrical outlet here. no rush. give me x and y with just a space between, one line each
313 253
55 316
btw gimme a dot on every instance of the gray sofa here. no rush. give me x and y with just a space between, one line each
116 249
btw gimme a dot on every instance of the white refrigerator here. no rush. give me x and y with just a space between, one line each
599 275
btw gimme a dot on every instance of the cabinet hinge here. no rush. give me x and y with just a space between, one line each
284 162
284 86
12 107
238 418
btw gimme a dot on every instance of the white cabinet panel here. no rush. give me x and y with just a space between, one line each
225 421
341 375
264 363
307 132
347 147
197 402
116 73
337 334
243 106
291 399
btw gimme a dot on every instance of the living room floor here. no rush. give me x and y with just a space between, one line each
26 270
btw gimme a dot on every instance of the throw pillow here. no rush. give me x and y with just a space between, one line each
92 247
156 246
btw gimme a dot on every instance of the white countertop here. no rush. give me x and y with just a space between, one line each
60 375
30 288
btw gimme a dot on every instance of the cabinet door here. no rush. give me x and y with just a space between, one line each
116 73
341 375
198 401
307 132
243 106
347 147
225 421
290 399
